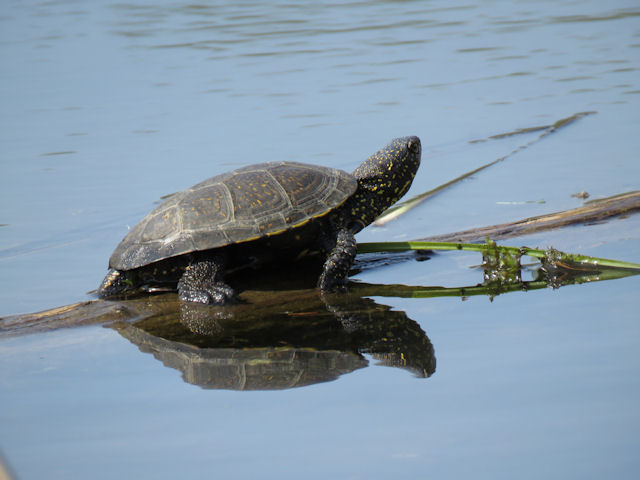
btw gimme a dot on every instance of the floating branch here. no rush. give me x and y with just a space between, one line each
403 207
592 211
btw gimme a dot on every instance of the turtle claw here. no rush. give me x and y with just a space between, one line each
214 294
198 284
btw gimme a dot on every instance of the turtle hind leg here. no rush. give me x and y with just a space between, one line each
202 283
336 268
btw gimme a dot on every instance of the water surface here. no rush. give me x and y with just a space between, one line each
107 107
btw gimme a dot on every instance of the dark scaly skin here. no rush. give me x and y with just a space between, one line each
339 261
202 283
381 181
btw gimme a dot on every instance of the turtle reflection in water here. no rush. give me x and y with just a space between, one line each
269 213
281 351
266 368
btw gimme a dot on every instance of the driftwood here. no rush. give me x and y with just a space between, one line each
592 212
259 303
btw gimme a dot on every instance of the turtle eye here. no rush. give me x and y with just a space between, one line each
413 145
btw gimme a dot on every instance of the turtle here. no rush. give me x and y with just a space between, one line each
264 214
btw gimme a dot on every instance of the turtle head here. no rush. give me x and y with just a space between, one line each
384 178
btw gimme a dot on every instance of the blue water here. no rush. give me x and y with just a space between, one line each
108 106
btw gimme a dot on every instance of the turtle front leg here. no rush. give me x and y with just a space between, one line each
202 283
336 267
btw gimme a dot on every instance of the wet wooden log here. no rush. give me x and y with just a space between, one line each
254 304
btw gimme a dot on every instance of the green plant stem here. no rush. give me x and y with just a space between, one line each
482 247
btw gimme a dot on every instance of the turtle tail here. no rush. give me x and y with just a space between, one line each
116 283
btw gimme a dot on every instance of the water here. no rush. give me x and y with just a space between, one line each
107 107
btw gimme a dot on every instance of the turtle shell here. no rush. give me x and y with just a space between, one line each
238 206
